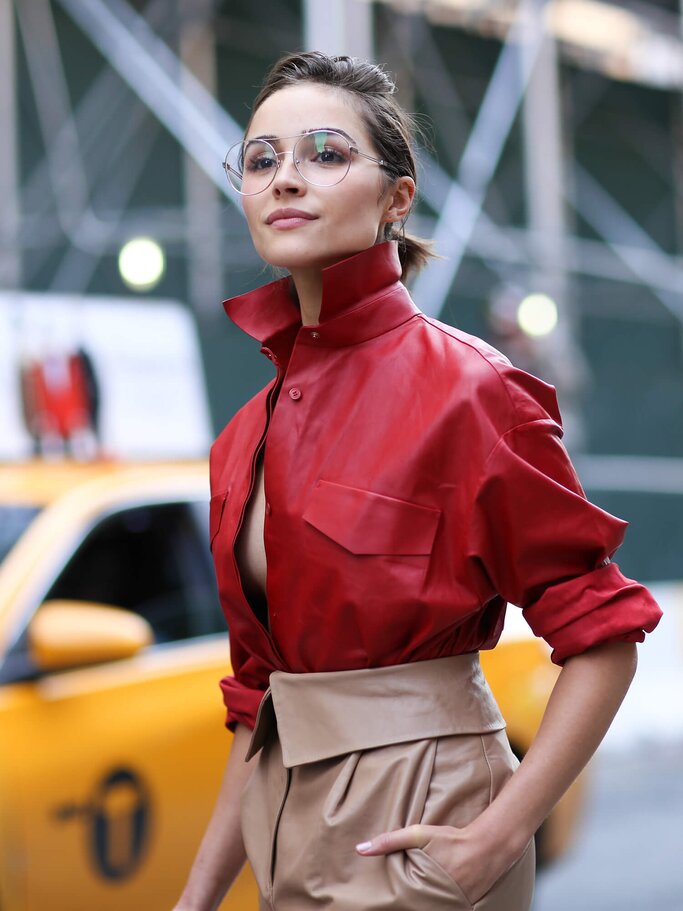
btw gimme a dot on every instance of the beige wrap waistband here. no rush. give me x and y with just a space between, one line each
321 715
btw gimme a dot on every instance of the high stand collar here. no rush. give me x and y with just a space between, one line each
348 314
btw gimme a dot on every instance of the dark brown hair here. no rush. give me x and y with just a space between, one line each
391 128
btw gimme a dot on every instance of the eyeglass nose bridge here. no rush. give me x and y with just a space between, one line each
279 156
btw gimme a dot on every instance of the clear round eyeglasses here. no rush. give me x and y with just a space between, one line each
322 158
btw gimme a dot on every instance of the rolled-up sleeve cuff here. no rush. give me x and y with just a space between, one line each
592 609
241 701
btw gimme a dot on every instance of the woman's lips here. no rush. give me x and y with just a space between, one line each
284 219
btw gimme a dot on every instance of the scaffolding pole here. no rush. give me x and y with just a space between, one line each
203 213
10 256
544 171
339 27
678 152
545 194
464 202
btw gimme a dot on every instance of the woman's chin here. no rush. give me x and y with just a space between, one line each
296 262
304 260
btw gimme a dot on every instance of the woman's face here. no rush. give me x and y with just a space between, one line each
336 221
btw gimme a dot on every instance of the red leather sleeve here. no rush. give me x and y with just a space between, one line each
544 547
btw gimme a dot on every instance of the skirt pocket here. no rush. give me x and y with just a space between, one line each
468 772
434 874
514 891
459 789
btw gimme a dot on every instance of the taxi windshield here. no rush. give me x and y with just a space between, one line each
14 520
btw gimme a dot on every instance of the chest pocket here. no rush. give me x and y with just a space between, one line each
365 523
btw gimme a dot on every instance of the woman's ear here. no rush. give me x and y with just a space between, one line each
399 199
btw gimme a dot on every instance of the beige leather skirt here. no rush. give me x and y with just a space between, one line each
350 754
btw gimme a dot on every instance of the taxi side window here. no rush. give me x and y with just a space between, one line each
153 560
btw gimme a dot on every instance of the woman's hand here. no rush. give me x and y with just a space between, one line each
469 858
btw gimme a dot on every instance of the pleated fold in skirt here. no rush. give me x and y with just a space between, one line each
344 756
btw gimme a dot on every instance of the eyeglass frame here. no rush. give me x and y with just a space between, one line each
277 155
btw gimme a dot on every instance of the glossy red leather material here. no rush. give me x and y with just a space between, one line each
370 523
414 484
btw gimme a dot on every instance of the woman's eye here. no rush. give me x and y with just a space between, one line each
260 163
323 149
330 156
327 156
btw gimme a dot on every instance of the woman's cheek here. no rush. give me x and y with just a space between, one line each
249 207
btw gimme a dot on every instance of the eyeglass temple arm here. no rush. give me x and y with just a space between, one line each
370 157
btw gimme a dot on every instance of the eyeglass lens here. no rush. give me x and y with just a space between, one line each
321 157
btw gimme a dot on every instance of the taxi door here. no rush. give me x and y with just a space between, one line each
109 773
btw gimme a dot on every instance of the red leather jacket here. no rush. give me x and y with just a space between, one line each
415 482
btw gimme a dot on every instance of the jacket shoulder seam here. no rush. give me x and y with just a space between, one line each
489 363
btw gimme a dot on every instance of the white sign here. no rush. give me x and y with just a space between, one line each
100 375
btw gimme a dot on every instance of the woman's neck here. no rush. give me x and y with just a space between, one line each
309 291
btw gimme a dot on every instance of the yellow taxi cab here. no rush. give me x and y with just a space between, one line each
112 741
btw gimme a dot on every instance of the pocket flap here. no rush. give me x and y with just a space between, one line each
364 522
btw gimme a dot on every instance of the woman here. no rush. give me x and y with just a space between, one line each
402 481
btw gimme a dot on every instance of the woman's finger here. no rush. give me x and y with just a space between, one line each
398 840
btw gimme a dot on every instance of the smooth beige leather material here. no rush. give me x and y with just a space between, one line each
349 754
363 709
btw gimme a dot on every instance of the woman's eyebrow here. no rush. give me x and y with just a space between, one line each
270 137
333 130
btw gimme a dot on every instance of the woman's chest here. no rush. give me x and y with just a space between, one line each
306 489
250 549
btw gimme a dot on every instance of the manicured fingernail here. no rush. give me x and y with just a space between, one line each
364 846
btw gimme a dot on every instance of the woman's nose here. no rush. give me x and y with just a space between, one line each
287 178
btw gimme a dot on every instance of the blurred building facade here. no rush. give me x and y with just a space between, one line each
552 163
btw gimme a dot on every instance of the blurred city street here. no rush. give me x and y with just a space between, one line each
629 850
629 846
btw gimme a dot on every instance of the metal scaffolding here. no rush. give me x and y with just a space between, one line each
63 213
172 76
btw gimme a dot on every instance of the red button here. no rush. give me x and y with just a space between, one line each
294 393
315 334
